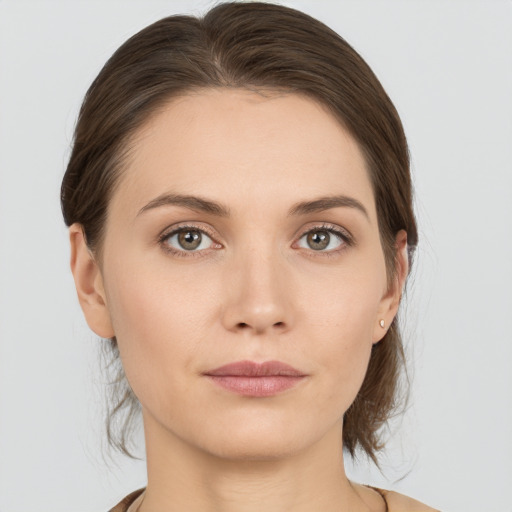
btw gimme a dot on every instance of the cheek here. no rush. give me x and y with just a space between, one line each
342 322
345 302
157 321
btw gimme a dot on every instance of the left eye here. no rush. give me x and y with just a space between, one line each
187 239
322 240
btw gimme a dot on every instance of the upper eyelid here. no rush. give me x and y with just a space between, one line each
167 232
332 228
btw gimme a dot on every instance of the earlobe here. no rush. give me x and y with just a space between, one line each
390 302
89 284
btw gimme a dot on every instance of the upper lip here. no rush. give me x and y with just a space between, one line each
252 369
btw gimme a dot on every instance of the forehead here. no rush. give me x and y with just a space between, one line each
243 148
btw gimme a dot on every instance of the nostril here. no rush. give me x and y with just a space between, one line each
243 325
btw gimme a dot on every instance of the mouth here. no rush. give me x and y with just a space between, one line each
248 378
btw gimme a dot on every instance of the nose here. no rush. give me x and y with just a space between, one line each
258 293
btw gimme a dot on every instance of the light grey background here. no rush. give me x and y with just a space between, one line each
447 66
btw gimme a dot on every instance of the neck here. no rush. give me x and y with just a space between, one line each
184 477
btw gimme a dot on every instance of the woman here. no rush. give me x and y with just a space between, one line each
241 229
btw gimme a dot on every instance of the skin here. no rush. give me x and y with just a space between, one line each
254 290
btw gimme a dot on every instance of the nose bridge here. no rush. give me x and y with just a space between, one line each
259 298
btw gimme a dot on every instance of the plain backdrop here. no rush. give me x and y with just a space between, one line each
447 66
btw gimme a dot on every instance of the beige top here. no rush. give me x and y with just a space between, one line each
130 502
395 502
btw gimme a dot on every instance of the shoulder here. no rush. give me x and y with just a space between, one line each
400 503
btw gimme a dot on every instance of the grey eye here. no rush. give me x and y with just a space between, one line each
189 239
320 239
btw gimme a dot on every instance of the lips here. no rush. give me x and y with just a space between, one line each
248 378
250 369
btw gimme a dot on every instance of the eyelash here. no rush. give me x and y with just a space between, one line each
343 235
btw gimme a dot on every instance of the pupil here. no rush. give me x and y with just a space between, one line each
318 240
189 239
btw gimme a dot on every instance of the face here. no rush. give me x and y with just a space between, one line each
243 229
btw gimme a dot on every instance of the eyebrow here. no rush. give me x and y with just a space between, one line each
203 205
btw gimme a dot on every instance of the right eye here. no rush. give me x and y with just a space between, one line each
187 239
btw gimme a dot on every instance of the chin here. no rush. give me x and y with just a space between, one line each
253 441
254 449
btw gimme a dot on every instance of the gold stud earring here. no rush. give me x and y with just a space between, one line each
382 324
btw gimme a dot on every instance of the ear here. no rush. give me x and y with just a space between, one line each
89 284
389 303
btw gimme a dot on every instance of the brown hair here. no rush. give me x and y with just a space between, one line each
256 46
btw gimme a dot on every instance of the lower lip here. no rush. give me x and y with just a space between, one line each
255 386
